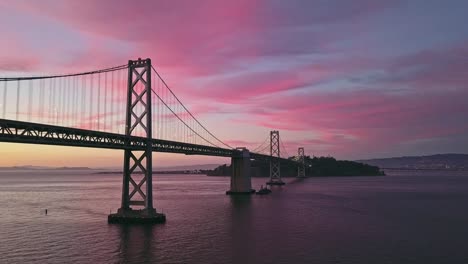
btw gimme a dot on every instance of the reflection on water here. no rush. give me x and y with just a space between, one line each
241 227
135 243
241 202
392 219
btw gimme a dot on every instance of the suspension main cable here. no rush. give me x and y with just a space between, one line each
182 120
263 149
257 148
196 120
116 68
284 148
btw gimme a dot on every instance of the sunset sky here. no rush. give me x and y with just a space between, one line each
352 79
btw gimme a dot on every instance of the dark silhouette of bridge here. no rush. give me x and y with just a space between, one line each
86 110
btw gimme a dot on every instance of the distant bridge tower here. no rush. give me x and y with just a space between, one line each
275 173
138 167
301 163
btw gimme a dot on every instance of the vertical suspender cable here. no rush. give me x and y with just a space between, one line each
41 101
4 99
158 121
30 96
67 103
105 100
52 95
83 100
112 102
64 102
152 107
91 93
62 90
165 114
50 109
84 105
122 101
74 99
59 101
17 100
98 120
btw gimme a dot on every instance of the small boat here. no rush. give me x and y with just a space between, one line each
263 191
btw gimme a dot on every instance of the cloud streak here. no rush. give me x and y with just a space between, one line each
309 68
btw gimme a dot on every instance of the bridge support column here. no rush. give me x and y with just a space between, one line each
240 175
275 175
138 167
301 164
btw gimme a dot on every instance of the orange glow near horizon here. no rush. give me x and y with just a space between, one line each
13 154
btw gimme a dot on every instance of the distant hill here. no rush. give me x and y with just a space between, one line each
439 161
30 167
156 168
72 168
315 167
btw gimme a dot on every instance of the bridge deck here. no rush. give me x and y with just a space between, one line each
34 133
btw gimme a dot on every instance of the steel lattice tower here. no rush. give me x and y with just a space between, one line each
301 165
138 166
275 173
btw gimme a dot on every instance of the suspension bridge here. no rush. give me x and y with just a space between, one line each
128 107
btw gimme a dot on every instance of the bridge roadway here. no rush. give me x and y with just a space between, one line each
33 133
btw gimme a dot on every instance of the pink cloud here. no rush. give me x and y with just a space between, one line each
368 119
267 67
14 55
154 32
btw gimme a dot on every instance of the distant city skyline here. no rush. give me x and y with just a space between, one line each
355 80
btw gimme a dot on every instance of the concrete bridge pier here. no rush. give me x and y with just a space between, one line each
240 175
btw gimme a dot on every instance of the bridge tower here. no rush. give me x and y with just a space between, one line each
275 173
138 167
301 164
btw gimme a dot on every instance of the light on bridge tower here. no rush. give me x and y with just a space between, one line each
275 172
301 161
137 189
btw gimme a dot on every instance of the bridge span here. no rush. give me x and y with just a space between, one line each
83 110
